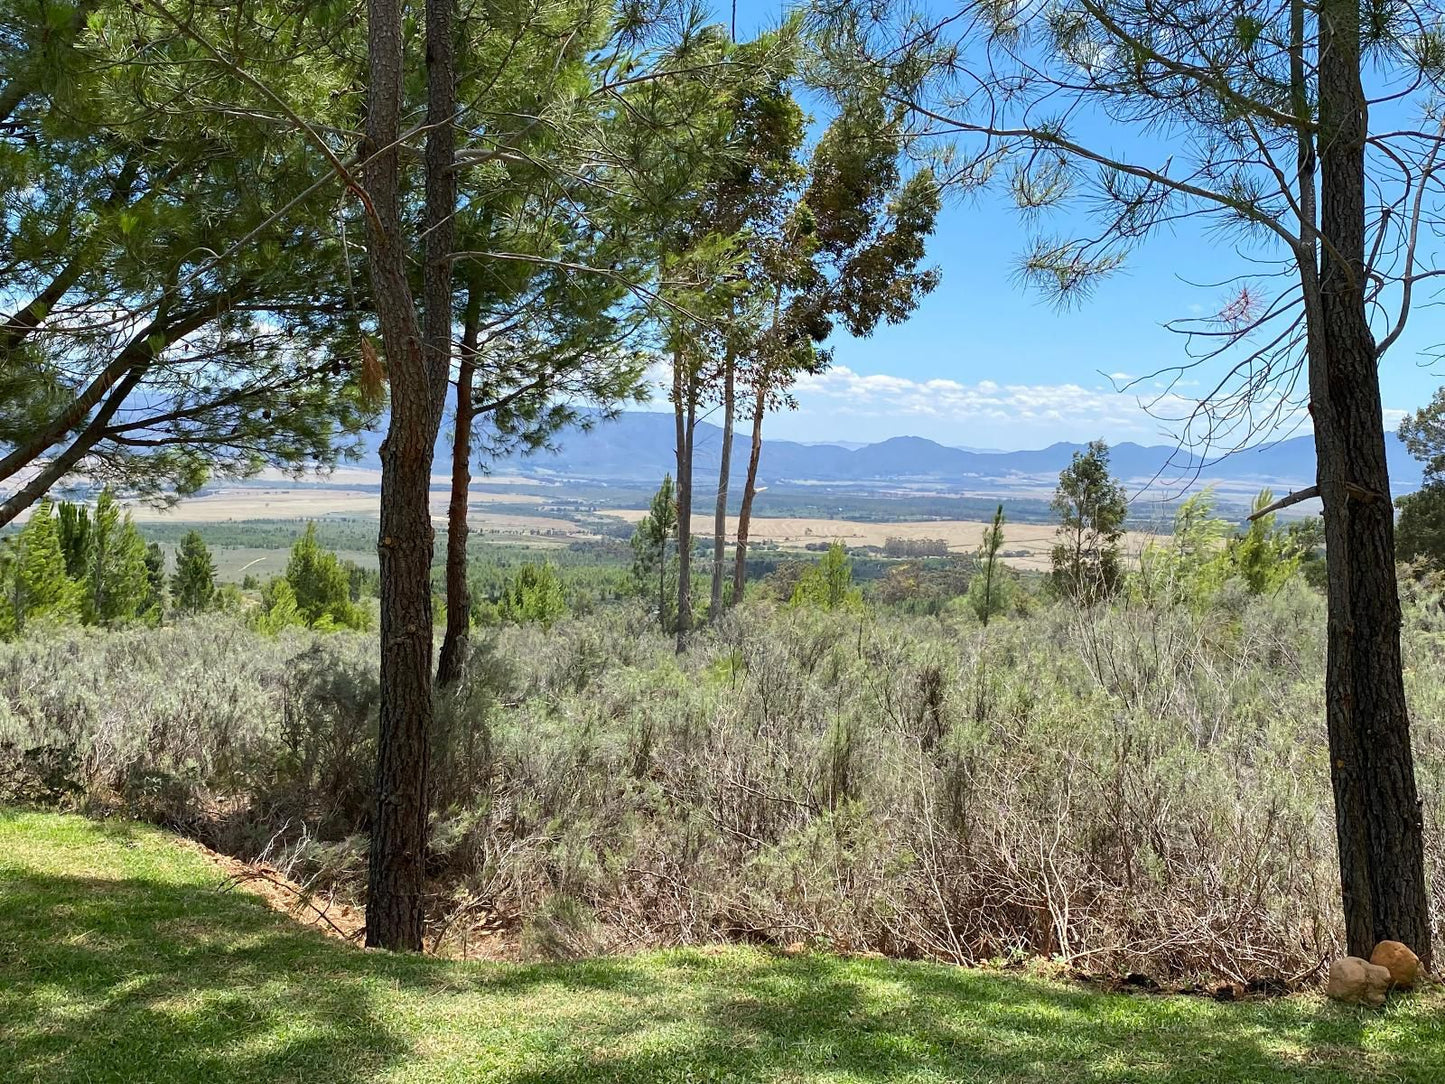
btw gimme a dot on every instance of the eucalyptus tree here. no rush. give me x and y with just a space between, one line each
174 301
847 249
749 197
1255 117
725 118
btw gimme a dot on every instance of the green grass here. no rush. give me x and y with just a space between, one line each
121 961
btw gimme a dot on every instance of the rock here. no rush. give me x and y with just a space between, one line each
1358 982
1402 964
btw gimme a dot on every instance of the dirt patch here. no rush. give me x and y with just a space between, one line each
332 917
468 932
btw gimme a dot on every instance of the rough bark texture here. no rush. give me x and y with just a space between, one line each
459 598
417 371
720 513
750 489
1377 813
685 417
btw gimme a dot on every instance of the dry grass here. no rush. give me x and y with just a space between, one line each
1026 545
242 503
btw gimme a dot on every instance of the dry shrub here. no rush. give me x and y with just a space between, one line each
1129 790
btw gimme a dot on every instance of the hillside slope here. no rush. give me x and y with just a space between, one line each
121 961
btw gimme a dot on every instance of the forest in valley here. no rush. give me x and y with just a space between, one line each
1186 752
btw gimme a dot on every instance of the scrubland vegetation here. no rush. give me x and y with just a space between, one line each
1140 786
235 240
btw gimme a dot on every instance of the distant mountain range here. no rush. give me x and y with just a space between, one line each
637 447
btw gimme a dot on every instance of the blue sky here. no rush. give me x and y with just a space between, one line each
984 362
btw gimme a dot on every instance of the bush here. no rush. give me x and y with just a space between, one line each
1139 788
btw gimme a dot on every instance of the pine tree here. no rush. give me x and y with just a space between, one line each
117 580
76 540
534 595
828 585
986 591
38 587
649 545
321 586
1091 507
155 580
194 584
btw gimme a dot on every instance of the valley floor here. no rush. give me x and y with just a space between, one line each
121 959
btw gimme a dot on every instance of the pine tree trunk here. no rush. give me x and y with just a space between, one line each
750 489
417 366
720 514
459 598
1377 812
662 585
685 418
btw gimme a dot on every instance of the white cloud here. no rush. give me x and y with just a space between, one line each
1098 409
844 404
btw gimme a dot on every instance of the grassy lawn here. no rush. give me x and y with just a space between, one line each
120 961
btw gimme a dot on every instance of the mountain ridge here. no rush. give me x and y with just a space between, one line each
637 447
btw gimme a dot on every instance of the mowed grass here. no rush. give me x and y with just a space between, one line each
121 960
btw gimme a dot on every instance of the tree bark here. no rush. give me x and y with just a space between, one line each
1377 811
750 489
685 417
417 367
720 514
459 598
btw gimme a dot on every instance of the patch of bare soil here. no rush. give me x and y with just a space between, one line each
468 932
332 917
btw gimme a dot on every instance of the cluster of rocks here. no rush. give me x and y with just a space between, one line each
1358 981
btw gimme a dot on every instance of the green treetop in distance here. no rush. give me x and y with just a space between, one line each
828 584
118 582
649 546
1420 533
193 586
534 595
988 589
33 575
320 585
1091 507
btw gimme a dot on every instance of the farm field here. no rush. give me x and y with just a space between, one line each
1026 545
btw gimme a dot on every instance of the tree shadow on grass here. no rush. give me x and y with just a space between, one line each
816 1018
157 981
138 980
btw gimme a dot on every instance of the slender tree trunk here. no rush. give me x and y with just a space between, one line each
685 416
662 585
720 515
1377 811
459 598
750 490
417 365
